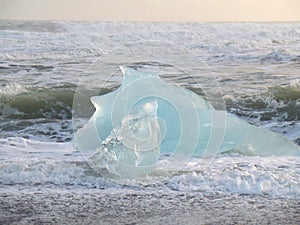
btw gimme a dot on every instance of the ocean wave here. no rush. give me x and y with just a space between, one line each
21 102
212 42
290 92
64 54
34 110
277 109
42 129
278 102
31 26
284 101
45 45
280 56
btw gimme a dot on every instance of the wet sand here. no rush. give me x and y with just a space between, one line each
39 205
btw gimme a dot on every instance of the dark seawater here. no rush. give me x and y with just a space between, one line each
256 67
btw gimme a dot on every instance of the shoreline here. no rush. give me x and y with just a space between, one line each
69 205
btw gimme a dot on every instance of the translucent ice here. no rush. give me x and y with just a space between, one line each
168 119
134 144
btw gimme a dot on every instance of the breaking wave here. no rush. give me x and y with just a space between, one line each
18 102
277 103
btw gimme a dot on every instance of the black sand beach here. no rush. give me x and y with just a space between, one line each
91 206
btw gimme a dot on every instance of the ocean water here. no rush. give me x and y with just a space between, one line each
253 68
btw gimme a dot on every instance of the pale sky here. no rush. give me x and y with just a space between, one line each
152 10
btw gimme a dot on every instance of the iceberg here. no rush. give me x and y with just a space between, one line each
134 144
147 116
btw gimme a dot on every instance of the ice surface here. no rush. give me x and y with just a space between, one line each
133 148
168 119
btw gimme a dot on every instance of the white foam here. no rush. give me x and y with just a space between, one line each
41 163
272 176
83 39
13 89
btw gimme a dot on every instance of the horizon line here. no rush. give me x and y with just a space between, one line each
156 21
